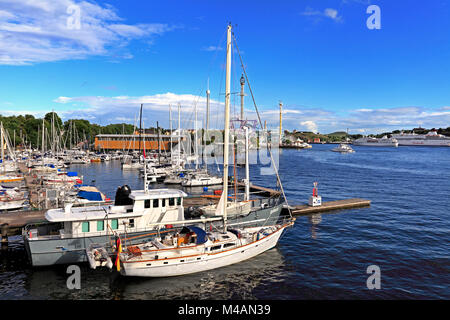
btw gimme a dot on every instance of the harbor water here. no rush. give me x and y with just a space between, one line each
405 232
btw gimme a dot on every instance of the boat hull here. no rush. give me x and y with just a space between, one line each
201 262
57 250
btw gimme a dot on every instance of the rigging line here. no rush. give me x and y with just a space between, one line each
260 123
195 102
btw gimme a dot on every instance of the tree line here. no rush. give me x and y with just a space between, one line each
26 130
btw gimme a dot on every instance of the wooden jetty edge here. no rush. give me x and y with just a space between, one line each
329 206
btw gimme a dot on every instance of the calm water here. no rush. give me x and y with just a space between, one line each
406 232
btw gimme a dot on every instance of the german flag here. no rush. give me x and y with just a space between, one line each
119 250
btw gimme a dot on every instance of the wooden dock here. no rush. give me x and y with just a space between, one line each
259 190
329 206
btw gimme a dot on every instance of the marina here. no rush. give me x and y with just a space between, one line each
248 165
320 234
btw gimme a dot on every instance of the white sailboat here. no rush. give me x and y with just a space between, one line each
192 249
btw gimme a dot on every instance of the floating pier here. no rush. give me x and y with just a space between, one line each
329 206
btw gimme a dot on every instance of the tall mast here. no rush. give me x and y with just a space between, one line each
247 171
281 120
179 133
170 124
195 138
43 136
207 107
242 96
2 146
226 128
140 130
159 144
206 132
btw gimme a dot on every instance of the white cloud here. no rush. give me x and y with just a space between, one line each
114 109
106 110
39 31
310 125
327 13
213 48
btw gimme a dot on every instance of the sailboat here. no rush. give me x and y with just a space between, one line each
200 177
192 248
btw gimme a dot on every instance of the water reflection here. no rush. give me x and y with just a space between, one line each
315 220
237 281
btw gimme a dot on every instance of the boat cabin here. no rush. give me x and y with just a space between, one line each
145 209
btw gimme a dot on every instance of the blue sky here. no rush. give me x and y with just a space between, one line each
318 57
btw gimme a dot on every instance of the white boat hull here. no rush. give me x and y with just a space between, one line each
201 262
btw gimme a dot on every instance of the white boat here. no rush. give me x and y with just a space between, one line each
98 256
175 178
201 179
193 250
132 166
343 148
376 142
69 178
70 230
432 139
6 205
238 208
10 178
11 199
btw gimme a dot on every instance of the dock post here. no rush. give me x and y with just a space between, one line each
4 234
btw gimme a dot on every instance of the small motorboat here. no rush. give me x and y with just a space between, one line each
343 148
98 256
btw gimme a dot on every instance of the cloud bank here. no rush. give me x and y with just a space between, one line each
104 110
33 31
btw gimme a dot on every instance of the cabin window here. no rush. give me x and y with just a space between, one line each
179 201
131 222
85 226
155 203
100 225
163 204
216 247
171 201
147 204
114 224
227 245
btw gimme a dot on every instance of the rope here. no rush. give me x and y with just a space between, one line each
260 123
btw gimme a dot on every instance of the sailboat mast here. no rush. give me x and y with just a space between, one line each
207 107
226 128
247 169
43 136
179 133
140 131
159 145
195 138
170 123
2 146
206 132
